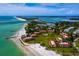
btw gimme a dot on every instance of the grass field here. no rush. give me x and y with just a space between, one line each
43 40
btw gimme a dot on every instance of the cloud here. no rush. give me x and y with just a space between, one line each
43 9
10 9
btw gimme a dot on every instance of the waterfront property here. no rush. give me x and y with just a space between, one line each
57 37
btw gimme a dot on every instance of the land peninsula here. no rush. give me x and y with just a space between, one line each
48 39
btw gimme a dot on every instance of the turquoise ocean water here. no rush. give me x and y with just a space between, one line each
7 29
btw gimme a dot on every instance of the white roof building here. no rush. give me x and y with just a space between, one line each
68 29
52 42
76 32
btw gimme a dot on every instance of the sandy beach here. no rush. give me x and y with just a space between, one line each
24 48
30 49
15 38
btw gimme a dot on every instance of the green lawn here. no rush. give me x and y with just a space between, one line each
43 40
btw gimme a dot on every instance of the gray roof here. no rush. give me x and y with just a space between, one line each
68 29
76 31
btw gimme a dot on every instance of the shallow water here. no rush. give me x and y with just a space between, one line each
7 47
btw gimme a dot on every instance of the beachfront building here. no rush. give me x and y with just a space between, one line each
28 39
52 43
64 44
43 31
33 35
64 35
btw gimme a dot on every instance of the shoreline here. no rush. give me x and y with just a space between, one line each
15 38
24 48
28 49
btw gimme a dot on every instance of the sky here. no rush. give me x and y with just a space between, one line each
39 9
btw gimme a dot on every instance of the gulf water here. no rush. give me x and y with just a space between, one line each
8 27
